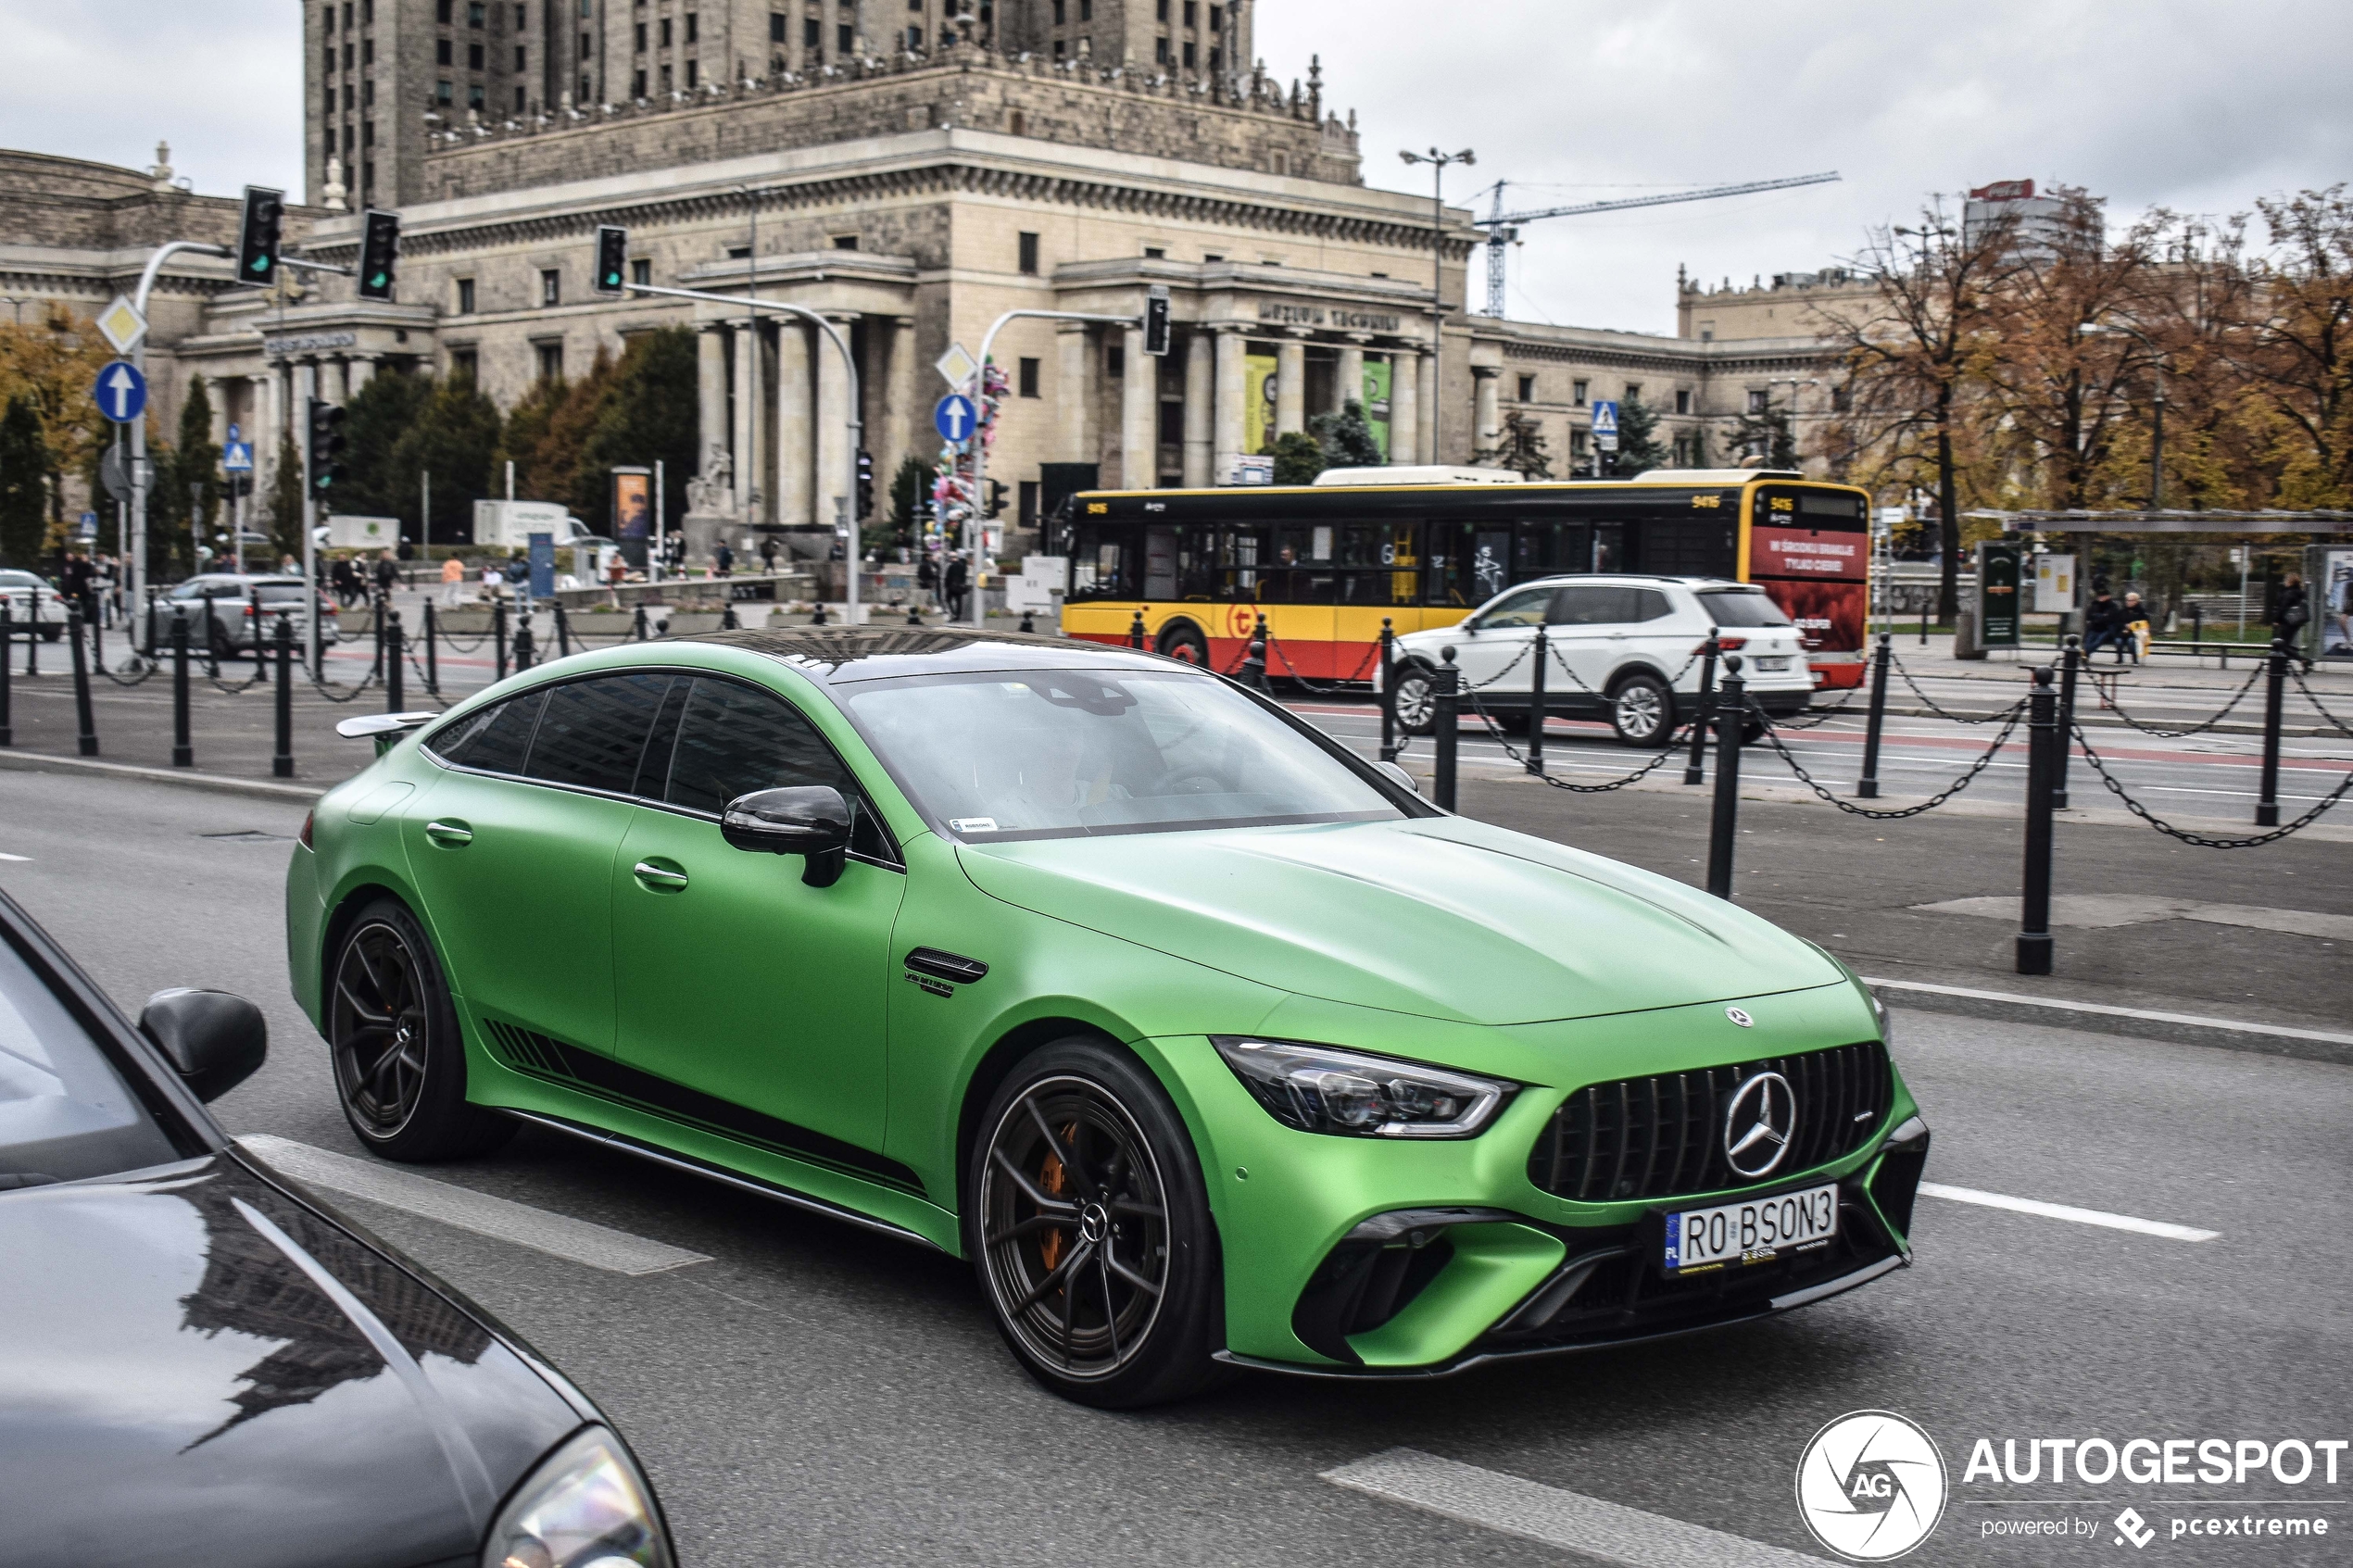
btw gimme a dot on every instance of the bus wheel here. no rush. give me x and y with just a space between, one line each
1182 639
1416 699
1641 710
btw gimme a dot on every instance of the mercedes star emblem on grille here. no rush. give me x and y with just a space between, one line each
1758 1125
1737 1016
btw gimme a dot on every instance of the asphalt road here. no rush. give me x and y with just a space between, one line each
815 1394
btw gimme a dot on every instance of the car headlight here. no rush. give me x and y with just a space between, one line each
1879 1010
585 1507
1320 1089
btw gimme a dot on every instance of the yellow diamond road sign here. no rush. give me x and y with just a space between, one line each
122 325
956 366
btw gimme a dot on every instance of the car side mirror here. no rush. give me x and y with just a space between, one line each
213 1040
811 819
1398 776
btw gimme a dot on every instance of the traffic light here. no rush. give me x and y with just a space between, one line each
379 253
865 484
996 498
258 236
612 258
1156 320
326 446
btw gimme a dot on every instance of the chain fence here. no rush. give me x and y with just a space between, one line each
1933 706
2198 729
1673 745
2009 725
2200 840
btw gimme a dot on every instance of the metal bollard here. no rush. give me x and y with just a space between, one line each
563 633
1446 692
915 615
817 613
282 759
380 603
253 614
499 640
2074 657
1387 690
212 636
433 660
183 754
1028 621
640 631
1536 704
2042 735
1135 631
1923 623
1731 716
2266 803
1254 665
522 645
393 661
1694 771
87 739
727 621
1866 786
8 720
32 636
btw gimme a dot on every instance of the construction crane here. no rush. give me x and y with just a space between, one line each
1501 228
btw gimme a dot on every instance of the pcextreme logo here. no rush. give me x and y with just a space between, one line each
1871 1486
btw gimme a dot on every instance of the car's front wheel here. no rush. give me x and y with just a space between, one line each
1416 699
1642 711
1089 1227
391 1031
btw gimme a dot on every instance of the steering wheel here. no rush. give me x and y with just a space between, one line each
1194 780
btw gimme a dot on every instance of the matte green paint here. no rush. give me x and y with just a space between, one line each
1437 939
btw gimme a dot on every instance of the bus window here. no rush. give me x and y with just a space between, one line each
1549 548
1097 565
1609 546
1491 561
1160 563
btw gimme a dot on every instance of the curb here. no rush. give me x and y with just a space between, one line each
2098 1018
42 762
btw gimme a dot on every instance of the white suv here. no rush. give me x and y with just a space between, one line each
1622 647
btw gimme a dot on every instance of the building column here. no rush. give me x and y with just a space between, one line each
1487 409
360 372
1226 442
834 477
1074 389
1139 410
796 427
1349 386
747 351
339 382
1404 407
711 397
1201 374
896 412
1291 386
1425 372
261 433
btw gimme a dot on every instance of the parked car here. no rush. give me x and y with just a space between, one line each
1623 648
204 1366
230 609
34 606
1205 1040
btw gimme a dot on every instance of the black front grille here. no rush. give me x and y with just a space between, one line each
1664 1136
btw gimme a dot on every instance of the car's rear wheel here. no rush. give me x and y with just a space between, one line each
1417 698
1642 711
391 1031
1089 1227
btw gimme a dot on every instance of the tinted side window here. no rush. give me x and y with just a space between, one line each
733 740
1649 605
1595 604
593 732
495 739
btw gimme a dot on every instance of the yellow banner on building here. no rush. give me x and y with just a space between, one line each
1258 402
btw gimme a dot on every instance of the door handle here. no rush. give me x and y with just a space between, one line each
657 879
450 835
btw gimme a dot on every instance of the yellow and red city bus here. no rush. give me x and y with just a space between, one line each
1326 563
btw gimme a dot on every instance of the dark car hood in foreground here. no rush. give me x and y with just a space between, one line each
179 1385
1443 917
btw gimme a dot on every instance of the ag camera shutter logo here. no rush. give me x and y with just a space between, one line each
1871 1486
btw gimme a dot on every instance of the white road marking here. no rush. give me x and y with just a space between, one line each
15 857
2067 1212
1606 1531
581 1241
2278 1030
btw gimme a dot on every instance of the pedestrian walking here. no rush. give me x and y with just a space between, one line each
80 583
109 575
387 574
2292 612
723 560
343 583
769 551
959 585
2103 625
453 581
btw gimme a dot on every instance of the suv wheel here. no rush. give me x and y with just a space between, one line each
1089 1224
1642 711
391 1034
1416 699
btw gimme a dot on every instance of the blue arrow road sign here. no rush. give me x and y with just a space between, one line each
122 392
237 457
954 418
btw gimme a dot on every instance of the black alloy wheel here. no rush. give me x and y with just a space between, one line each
392 1033
1642 711
1089 1228
1182 639
1415 701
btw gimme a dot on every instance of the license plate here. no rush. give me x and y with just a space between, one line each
1737 1235
1773 661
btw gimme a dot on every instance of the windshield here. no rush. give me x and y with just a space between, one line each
1057 753
1742 607
65 1113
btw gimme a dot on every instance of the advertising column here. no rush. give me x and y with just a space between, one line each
1998 596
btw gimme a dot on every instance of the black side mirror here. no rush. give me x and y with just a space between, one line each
811 819
212 1039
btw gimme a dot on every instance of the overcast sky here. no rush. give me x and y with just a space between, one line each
2200 105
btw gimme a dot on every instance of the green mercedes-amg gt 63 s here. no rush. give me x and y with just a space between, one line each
1207 1041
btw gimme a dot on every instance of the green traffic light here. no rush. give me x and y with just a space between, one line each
261 264
377 281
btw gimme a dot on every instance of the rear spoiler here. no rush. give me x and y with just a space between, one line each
385 729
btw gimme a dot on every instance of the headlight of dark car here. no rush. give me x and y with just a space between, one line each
1323 1089
585 1507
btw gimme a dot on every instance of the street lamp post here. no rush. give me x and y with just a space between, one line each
1438 162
